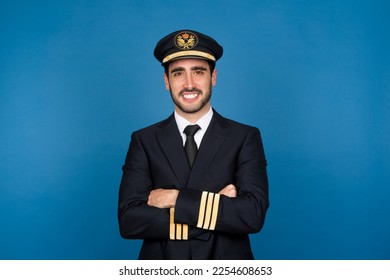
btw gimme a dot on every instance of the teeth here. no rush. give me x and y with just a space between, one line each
190 96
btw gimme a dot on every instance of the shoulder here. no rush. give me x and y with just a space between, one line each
151 129
232 124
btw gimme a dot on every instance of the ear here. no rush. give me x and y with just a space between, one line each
166 82
214 77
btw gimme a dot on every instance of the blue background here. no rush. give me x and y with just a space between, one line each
77 77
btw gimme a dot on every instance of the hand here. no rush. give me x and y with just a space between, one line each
163 198
229 191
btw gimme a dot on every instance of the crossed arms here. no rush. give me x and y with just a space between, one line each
149 206
166 198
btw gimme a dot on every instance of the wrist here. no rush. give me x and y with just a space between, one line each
174 194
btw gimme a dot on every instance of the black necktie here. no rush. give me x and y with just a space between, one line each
190 145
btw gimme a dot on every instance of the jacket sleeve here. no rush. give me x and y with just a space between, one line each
136 218
243 214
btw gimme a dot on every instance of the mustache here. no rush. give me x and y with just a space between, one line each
190 90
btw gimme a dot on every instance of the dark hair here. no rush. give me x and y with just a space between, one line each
211 65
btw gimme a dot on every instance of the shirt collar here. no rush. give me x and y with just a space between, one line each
203 122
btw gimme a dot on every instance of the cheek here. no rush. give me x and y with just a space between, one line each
207 84
173 87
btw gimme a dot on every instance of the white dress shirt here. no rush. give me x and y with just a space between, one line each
203 122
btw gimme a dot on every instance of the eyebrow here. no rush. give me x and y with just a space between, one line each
195 68
198 68
177 69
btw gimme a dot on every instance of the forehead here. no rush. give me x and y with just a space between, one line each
189 63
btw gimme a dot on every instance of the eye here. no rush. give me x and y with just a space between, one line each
177 74
199 72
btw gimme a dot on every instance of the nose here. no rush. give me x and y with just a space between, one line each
189 83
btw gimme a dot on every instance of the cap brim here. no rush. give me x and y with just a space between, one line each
188 54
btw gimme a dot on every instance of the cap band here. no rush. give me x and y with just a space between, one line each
188 53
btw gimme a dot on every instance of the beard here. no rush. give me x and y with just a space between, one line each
192 108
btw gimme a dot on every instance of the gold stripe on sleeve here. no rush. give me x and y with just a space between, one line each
215 212
185 232
209 208
178 231
171 224
202 209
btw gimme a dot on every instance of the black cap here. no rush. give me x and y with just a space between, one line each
187 44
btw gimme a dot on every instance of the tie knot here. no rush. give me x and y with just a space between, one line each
190 130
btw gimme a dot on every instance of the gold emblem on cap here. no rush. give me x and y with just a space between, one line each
186 40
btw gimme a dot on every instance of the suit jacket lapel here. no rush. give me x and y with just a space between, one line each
212 141
172 145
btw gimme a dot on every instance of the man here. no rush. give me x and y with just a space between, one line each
196 192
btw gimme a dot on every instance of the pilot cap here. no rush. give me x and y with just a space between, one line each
187 44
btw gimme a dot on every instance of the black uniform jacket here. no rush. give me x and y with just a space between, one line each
203 224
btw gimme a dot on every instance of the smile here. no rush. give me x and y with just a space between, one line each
190 95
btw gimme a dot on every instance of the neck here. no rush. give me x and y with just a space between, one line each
193 117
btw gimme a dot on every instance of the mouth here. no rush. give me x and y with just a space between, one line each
190 95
